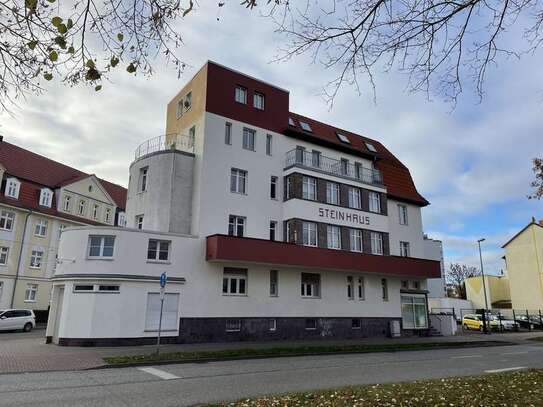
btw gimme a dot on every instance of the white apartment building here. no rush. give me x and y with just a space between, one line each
270 225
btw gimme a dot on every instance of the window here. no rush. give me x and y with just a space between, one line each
273 229
309 188
101 246
316 159
375 202
269 139
355 239
350 288
107 216
355 323
139 221
1 288
179 111
273 187
46 197
234 281
376 243
121 219
188 101
361 289
67 203
142 183
6 220
82 288
402 213
236 225
233 325
405 284
414 313
334 237
192 135
287 188
311 285
4 252
310 324
108 288
241 95
291 122
36 258
238 181
344 166
371 147
258 101
228 133
158 250
305 126
404 249
416 285
249 139
358 171
170 317
384 289
272 325
82 208
95 211
354 198
31 292
332 193
309 234
12 188
343 138
274 283
41 228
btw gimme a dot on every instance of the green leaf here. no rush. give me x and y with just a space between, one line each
51 1
32 44
69 23
56 21
131 68
71 50
62 29
120 37
90 64
53 56
114 61
92 75
48 76
31 4
60 41
98 87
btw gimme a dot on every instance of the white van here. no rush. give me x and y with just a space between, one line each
15 319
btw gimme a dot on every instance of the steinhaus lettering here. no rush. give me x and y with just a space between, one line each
345 216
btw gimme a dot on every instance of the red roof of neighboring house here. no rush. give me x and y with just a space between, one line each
42 171
396 176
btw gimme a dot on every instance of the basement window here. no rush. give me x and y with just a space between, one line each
355 323
343 138
310 324
233 325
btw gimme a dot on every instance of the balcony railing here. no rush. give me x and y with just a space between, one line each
345 169
179 142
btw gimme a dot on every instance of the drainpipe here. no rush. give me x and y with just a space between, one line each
20 259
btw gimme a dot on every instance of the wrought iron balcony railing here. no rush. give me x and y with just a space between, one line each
179 142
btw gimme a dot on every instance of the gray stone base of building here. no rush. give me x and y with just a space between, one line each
201 330
90 342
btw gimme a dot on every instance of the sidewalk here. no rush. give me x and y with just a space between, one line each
27 352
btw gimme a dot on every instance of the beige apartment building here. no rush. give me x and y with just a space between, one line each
39 198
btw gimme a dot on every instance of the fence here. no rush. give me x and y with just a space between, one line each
501 320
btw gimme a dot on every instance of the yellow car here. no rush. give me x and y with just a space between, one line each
473 321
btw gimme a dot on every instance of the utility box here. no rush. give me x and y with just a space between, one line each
394 329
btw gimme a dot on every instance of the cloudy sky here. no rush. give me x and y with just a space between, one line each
473 163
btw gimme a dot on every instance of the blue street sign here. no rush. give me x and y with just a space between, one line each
163 279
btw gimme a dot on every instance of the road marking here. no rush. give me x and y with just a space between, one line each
159 373
507 369
466 356
515 353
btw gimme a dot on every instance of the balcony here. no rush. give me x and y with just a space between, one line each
180 142
306 159
222 248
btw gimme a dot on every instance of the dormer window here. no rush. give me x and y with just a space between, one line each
371 147
291 122
343 138
305 126
46 197
12 188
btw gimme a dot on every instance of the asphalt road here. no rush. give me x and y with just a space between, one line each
190 384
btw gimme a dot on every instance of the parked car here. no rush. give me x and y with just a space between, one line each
15 319
503 323
529 322
475 321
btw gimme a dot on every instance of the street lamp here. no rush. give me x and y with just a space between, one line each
484 284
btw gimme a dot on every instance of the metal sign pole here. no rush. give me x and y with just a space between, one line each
163 279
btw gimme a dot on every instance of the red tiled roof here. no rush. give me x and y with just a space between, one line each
40 170
396 176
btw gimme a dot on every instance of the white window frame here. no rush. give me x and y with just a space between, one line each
13 186
4 255
107 215
273 229
179 108
7 220
309 234
249 139
356 240
333 237
361 288
274 283
310 289
274 183
66 204
384 290
376 243
139 221
269 144
46 197
95 211
374 202
233 277
350 287
36 259
142 180
332 193
405 249
234 223
259 101
241 94
188 102
82 207
101 247
411 303
31 292
355 198
228 133
121 219
238 181
154 254
233 325
40 229
309 188
272 324
403 217
170 313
